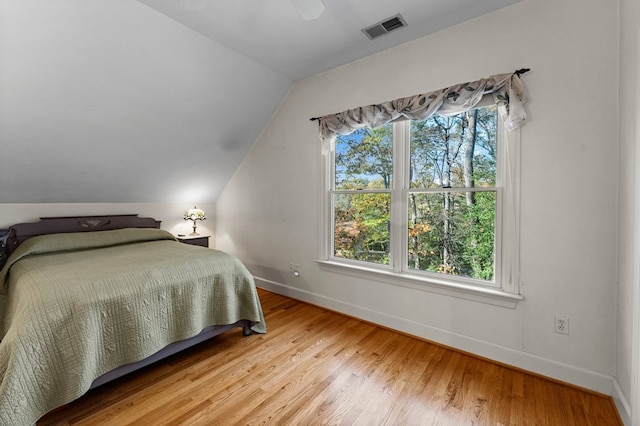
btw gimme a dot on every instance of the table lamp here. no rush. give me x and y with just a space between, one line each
194 214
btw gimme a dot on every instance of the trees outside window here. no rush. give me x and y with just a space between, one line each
362 196
420 197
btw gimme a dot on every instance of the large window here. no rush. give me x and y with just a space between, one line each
434 199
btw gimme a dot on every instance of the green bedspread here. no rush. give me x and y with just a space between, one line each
75 306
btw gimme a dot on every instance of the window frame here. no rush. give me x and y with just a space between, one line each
504 292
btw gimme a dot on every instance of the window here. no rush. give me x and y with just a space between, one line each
433 201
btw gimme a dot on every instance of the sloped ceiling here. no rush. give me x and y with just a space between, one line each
159 101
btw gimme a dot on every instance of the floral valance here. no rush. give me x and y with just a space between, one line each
507 90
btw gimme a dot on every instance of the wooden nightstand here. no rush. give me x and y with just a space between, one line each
195 240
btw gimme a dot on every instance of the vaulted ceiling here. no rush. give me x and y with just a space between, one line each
160 100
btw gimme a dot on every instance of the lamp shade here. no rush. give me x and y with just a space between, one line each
194 214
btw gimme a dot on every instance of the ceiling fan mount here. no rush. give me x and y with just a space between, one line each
309 9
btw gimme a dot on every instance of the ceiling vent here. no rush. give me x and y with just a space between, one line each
385 26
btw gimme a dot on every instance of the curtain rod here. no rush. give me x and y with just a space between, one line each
517 72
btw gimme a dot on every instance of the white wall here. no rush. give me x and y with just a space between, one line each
269 212
170 214
629 233
112 101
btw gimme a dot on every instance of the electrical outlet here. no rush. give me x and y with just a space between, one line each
562 324
294 269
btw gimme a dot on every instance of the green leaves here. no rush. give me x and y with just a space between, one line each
365 156
362 223
450 194
452 230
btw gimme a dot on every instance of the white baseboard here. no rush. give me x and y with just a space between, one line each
536 364
624 409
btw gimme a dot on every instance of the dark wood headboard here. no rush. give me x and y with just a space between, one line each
58 225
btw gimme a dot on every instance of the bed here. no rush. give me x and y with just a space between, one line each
84 300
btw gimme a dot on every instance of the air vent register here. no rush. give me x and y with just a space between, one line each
385 26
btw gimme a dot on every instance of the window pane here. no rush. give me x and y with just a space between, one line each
364 159
454 152
362 227
453 233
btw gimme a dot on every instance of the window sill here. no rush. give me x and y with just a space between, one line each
462 291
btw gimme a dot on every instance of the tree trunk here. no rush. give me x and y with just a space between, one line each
414 238
447 226
447 262
470 144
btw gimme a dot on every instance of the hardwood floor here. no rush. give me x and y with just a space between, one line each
319 367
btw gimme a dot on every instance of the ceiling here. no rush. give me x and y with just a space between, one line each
160 100
272 32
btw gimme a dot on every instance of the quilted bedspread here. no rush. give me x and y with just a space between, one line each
75 306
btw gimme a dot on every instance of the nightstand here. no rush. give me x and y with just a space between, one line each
195 240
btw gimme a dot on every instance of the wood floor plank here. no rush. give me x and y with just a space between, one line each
315 366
